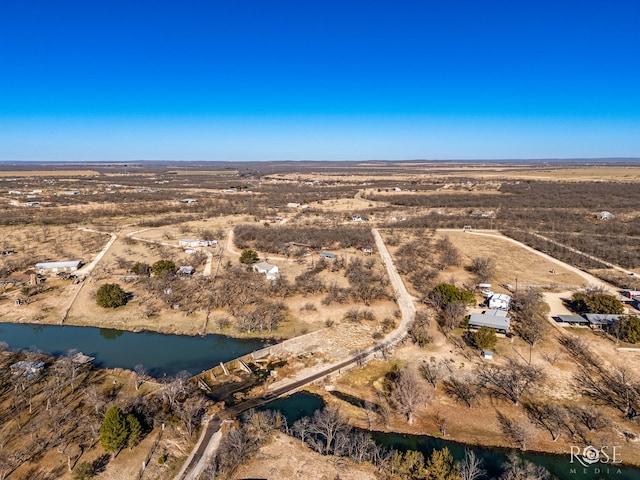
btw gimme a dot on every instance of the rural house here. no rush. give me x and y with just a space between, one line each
499 301
271 271
492 318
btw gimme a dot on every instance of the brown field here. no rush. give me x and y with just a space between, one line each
47 173
149 220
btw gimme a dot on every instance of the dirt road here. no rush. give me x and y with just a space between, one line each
210 438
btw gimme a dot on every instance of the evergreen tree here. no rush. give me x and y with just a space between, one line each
441 466
83 471
248 256
485 338
114 430
111 295
163 268
135 430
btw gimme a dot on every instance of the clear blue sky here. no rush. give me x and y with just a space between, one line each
258 80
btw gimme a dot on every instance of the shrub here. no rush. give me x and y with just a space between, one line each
163 268
248 256
596 302
111 295
484 338
141 268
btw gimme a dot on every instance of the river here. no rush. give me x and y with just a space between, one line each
161 354
304 404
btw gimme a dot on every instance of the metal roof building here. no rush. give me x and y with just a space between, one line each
496 319
55 267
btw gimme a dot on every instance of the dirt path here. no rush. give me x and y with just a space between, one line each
591 257
85 271
590 279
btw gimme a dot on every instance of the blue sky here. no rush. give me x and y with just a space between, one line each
254 80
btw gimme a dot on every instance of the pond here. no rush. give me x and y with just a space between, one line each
161 354
304 404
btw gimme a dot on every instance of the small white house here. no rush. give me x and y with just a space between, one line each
499 301
271 271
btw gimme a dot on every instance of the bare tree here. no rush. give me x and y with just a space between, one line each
191 412
591 418
531 330
174 388
614 387
511 382
483 267
139 374
407 393
519 431
463 389
300 428
452 314
517 468
442 422
326 424
470 466
551 417
449 254
431 371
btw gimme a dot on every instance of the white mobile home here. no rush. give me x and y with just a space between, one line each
499 301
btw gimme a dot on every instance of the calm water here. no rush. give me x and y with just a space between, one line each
304 404
159 353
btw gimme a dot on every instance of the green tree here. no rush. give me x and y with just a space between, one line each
114 431
135 431
248 256
441 466
163 268
445 293
596 302
484 338
83 471
630 329
111 295
409 465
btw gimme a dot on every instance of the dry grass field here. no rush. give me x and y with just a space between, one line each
145 213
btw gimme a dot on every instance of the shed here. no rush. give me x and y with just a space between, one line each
487 354
55 267
186 270
496 319
604 215
328 255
